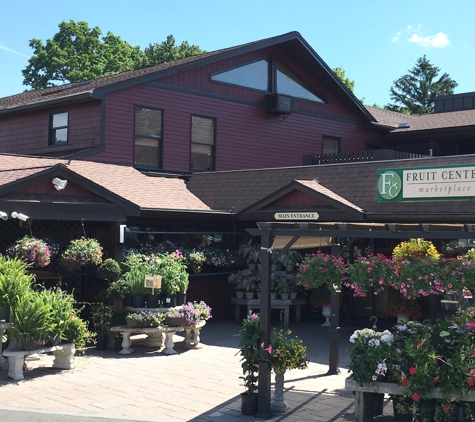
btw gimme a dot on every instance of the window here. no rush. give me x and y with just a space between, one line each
58 129
253 75
289 84
148 138
330 145
202 143
258 75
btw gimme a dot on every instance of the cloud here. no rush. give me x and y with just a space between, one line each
415 37
396 37
2 47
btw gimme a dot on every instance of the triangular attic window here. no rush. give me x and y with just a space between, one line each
255 75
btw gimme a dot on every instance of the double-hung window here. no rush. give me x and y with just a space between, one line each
330 145
148 138
203 134
58 128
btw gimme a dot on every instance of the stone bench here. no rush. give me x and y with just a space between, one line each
63 358
192 335
364 395
154 337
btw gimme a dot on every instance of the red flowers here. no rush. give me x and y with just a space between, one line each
404 381
412 370
470 382
416 397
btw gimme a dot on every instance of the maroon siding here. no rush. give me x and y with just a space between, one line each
246 137
27 133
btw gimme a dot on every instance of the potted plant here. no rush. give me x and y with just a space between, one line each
321 269
117 291
31 320
81 252
101 316
15 283
110 270
249 339
188 315
284 353
290 259
250 254
77 333
61 307
283 287
145 319
31 251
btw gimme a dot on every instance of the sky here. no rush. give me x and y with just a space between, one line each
374 41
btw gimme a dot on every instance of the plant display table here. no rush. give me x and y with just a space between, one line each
364 396
284 304
154 337
3 327
63 358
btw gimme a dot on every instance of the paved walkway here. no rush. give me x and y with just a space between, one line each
193 385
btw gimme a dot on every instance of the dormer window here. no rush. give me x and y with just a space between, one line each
58 129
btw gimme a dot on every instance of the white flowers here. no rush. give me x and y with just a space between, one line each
373 342
387 337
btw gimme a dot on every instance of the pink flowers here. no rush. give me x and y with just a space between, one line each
416 397
412 370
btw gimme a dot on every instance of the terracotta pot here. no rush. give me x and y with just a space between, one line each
176 322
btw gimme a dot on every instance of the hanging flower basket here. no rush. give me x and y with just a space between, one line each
32 251
319 269
81 252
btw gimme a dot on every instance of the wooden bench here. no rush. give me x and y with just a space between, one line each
364 396
154 337
284 304
63 358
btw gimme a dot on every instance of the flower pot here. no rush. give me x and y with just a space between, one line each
326 312
284 296
101 343
176 322
128 300
249 404
132 323
240 295
53 340
138 301
293 296
180 299
153 301
249 295
168 300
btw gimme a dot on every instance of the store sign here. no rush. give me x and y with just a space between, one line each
296 216
426 183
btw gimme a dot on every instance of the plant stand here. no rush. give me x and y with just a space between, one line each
192 336
326 312
278 403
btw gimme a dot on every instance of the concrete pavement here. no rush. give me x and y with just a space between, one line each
193 385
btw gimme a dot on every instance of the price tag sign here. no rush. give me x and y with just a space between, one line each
467 294
153 281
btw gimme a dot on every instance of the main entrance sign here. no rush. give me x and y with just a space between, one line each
426 183
296 215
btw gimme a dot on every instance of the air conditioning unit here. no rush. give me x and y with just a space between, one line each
278 104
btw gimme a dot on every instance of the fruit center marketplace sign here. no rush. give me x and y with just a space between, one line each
424 183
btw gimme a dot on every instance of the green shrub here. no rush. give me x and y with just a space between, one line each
110 270
15 282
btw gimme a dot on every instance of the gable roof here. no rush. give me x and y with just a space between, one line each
292 43
422 122
356 182
125 183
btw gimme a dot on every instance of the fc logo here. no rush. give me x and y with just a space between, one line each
389 185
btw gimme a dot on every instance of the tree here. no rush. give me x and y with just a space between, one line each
167 51
415 92
346 81
78 53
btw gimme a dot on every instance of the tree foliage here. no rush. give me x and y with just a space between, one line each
415 92
78 53
346 81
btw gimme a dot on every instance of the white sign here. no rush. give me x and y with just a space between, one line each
439 182
296 215
153 281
